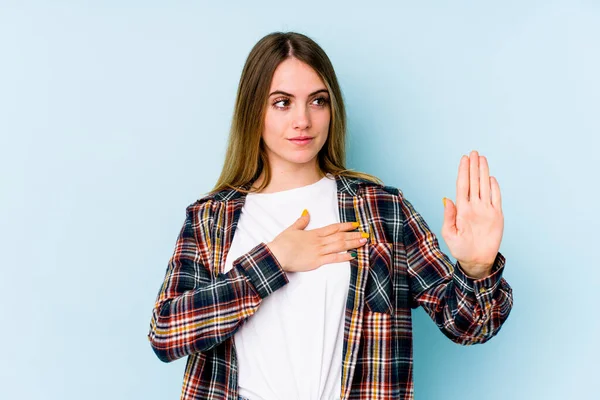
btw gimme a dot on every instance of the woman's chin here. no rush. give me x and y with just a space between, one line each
305 159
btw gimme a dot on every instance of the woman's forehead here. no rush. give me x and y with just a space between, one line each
296 78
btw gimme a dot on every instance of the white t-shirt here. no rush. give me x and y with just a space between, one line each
291 348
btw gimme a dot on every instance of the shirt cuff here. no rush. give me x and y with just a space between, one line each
482 290
262 269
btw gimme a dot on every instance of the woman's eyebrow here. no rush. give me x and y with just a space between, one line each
291 95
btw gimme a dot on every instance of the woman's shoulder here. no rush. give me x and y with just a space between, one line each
211 198
209 202
202 204
380 188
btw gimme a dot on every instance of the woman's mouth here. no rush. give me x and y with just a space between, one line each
301 141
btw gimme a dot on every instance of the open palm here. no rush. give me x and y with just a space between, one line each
473 227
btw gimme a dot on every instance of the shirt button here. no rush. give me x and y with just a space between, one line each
481 290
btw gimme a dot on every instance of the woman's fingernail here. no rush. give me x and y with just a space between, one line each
363 240
355 224
305 212
444 201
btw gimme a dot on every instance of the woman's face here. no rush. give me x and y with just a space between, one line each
298 106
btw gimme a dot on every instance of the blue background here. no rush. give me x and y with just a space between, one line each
114 117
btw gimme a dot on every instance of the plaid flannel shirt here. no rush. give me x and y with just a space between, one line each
199 308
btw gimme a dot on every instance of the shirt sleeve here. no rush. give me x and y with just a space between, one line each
194 310
466 310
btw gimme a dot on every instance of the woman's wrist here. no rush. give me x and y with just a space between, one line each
276 251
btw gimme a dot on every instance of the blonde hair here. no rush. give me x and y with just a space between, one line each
245 157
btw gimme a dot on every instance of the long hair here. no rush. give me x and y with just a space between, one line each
246 157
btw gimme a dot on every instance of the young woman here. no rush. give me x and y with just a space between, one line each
295 277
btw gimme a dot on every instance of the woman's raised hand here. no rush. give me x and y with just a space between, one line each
299 250
473 227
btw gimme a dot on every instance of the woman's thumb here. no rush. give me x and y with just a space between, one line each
449 215
303 221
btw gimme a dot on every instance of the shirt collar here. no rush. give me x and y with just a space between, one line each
345 184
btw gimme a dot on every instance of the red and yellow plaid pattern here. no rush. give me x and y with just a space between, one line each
199 308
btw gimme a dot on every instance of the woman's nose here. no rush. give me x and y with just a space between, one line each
301 118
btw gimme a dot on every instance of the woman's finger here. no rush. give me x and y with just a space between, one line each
341 245
496 197
474 176
462 181
335 228
484 180
348 236
333 258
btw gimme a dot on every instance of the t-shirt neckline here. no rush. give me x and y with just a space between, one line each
293 190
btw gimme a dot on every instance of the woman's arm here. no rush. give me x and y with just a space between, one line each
195 311
466 310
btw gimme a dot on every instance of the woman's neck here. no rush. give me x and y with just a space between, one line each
286 180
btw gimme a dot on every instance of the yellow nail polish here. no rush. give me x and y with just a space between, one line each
355 224
444 201
364 234
305 212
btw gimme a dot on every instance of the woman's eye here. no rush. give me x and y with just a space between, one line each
283 103
279 104
322 101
